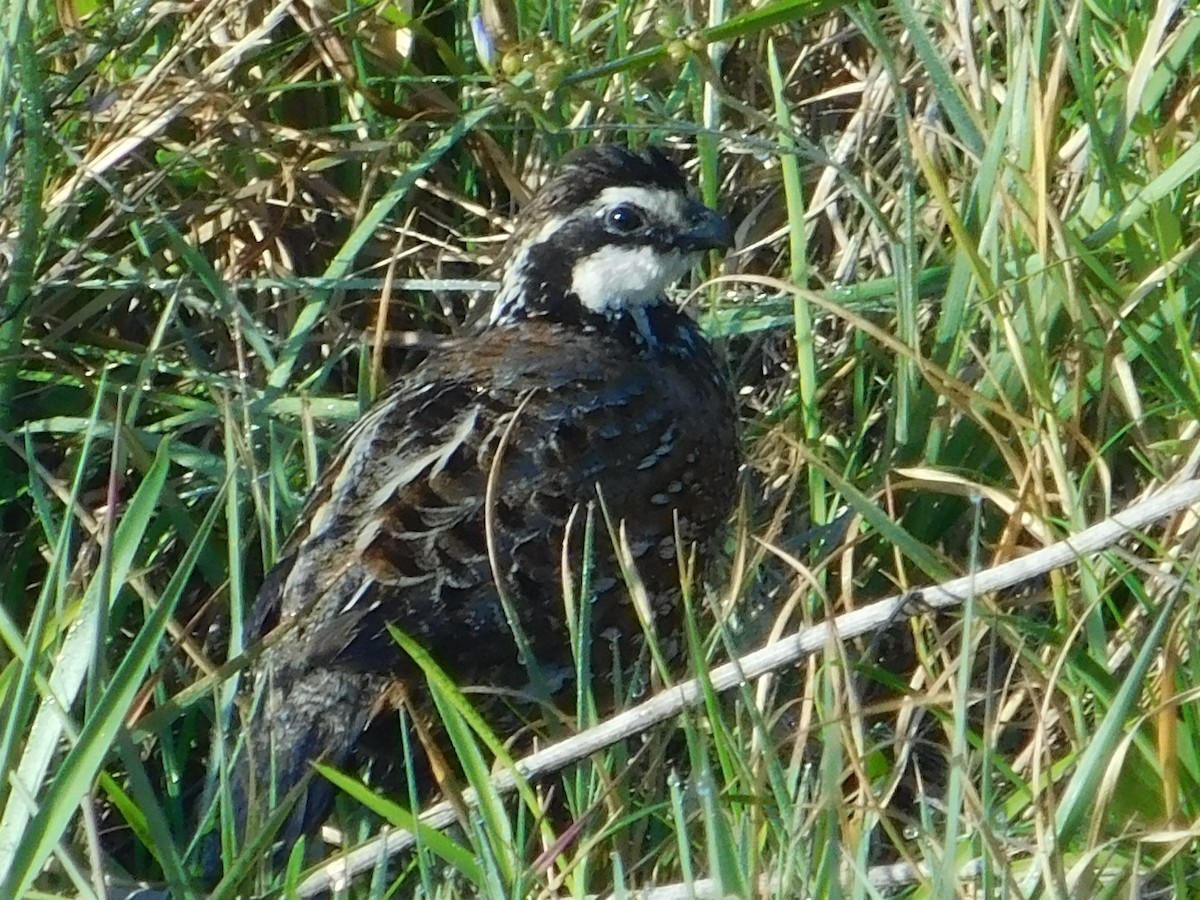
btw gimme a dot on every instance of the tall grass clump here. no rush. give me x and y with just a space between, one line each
962 321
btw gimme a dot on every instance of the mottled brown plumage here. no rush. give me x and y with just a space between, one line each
580 390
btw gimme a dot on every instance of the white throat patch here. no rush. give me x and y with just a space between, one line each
626 277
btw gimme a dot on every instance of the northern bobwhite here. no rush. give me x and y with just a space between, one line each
585 386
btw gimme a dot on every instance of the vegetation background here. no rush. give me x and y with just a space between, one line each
962 318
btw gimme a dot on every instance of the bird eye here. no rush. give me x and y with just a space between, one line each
624 219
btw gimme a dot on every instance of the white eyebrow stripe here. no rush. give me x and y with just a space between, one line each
663 203
547 230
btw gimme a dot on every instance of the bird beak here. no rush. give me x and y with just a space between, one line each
707 230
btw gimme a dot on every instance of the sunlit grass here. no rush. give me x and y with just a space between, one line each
962 322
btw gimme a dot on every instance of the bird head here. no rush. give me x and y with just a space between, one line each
606 236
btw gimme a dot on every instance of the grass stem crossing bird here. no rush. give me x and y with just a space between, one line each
447 508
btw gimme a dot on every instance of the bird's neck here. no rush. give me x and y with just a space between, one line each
539 284
655 326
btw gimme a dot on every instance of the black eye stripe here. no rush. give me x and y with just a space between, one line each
581 237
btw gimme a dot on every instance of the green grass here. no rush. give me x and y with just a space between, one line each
962 323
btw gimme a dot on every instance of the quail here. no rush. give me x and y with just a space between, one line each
454 504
